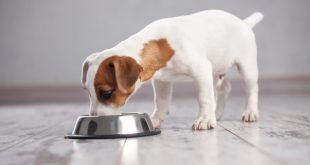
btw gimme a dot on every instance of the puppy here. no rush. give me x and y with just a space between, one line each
200 47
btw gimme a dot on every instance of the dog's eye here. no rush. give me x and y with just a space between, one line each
105 95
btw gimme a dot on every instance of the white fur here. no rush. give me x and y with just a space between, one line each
206 45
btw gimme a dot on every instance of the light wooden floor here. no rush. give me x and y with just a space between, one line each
33 133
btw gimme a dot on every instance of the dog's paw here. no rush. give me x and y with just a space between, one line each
250 116
204 123
156 122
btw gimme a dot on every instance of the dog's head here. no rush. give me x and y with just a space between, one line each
109 82
111 79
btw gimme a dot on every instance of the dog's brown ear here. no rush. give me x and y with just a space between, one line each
85 66
127 72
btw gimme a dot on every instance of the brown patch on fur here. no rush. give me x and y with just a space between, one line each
118 74
155 55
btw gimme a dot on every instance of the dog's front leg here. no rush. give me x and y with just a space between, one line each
162 99
204 83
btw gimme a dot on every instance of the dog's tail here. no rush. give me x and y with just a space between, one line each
253 19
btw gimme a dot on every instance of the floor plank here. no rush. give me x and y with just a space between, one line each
50 147
183 146
23 122
283 132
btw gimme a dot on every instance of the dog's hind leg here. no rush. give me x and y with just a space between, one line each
223 89
162 100
249 72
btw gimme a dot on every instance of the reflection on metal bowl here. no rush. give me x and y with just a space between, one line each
118 126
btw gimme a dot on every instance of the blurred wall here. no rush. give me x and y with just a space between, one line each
44 42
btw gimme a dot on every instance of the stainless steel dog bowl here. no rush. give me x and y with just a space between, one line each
118 126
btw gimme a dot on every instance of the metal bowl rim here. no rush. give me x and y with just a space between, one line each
109 116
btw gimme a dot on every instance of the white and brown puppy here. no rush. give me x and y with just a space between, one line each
201 47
